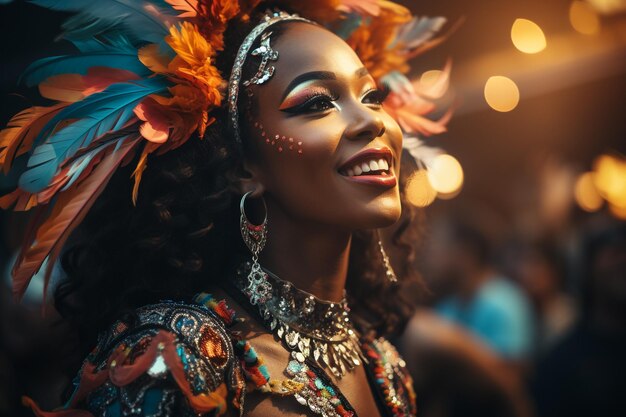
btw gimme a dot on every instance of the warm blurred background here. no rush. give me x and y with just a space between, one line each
524 245
525 241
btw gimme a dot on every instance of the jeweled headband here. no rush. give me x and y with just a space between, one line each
264 73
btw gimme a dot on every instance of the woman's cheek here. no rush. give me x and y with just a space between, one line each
278 141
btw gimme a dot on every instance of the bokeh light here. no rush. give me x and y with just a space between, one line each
583 18
610 179
501 93
419 190
619 212
446 175
608 6
527 36
586 193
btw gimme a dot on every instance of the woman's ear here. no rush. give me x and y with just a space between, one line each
248 178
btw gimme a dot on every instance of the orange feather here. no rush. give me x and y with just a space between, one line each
141 166
63 87
99 78
150 56
75 87
188 7
67 213
22 130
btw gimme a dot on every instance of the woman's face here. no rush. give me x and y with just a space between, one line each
315 114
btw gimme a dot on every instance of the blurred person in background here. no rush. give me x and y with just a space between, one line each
583 374
541 273
481 300
456 374
463 352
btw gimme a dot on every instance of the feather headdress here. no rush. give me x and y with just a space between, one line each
144 81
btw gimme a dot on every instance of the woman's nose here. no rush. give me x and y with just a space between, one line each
365 124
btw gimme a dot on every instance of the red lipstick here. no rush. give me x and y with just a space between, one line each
352 169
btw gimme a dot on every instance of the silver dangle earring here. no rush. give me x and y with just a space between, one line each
390 274
259 290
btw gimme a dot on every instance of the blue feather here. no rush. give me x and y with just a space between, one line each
98 114
44 68
78 166
84 26
61 5
75 5
110 42
132 15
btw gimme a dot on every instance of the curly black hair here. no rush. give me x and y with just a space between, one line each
182 236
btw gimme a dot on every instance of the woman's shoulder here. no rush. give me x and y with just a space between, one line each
169 358
192 325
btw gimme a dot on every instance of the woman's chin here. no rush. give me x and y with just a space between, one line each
380 216
389 219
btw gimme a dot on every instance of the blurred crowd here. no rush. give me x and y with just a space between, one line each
521 326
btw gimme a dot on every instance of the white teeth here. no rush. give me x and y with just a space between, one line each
364 167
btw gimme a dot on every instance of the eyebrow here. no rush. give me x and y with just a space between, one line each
319 75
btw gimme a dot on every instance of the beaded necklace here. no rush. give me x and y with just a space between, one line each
312 388
310 327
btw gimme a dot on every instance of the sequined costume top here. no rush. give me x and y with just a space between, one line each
182 359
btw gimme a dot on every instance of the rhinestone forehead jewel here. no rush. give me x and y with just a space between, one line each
267 53
264 73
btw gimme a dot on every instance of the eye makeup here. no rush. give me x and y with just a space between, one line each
280 142
301 96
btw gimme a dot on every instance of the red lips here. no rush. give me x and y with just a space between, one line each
367 154
382 180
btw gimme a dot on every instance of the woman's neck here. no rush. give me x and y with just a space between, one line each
312 257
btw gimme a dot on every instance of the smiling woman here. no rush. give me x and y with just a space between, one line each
247 274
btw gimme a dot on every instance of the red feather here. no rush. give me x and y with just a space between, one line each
67 213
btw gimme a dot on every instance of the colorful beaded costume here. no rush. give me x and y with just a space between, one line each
184 359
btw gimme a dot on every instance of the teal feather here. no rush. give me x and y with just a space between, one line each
79 64
98 114
84 26
79 165
114 41
81 160
76 5
133 15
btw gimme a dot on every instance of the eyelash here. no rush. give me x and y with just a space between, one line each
306 106
377 95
